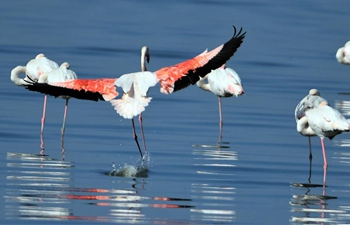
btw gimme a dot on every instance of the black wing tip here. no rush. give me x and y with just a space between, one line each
55 91
237 35
227 51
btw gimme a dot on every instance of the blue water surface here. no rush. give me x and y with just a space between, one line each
257 175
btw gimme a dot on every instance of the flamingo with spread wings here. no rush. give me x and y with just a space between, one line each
127 103
171 79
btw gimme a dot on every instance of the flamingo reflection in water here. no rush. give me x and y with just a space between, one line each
312 207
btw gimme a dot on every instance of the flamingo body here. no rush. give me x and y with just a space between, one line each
59 74
33 70
224 82
343 54
326 121
40 65
135 87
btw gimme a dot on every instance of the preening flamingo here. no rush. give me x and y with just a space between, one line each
171 79
322 120
343 54
326 121
33 70
223 82
59 75
310 101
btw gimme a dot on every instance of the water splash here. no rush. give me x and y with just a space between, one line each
140 169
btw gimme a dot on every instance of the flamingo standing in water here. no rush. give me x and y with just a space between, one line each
223 82
126 82
343 54
58 75
33 70
323 121
171 79
310 101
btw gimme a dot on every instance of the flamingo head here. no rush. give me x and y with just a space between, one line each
39 56
65 65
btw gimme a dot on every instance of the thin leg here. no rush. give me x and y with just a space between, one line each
324 180
220 123
325 163
64 125
310 158
142 133
42 127
135 137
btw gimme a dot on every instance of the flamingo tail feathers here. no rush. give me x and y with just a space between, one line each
129 107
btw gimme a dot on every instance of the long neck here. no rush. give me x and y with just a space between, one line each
203 85
143 62
304 128
15 75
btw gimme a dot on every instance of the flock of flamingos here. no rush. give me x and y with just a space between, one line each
313 115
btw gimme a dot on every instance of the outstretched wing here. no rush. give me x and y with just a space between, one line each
86 89
179 76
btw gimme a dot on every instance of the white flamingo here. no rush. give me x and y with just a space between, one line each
310 101
343 54
33 70
328 122
322 120
60 74
132 101
223 82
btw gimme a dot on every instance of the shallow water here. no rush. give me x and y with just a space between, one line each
259 174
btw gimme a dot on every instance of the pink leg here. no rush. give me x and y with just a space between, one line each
221 122
142 133
64 125
42 127
324 180
135 137
325 163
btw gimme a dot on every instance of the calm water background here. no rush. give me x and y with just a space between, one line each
289 48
